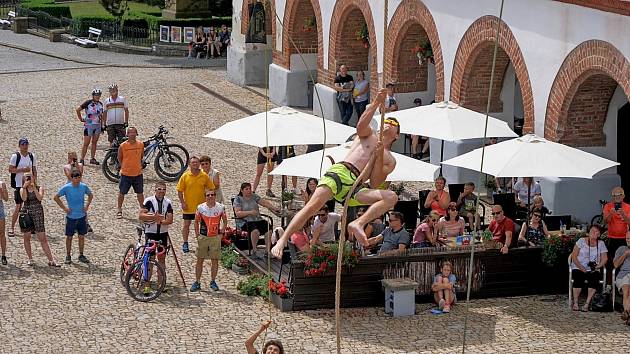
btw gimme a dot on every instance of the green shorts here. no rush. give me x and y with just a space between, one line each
339 179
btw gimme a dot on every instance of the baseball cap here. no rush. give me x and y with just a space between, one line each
23 141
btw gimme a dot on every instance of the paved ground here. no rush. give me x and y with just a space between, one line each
82 308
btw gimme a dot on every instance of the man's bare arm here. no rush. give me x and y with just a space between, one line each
363 126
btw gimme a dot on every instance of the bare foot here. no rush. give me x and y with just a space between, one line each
278 249
357 231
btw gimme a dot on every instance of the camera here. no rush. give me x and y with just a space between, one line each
592 265
617 206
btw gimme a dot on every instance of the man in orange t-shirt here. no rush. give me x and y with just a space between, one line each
130 158
617 217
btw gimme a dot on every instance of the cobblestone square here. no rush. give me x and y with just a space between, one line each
84 309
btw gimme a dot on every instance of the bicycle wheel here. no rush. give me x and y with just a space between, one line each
111 166
179 150
147 288
127 260
169 166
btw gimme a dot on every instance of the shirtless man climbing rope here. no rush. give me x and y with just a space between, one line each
339 178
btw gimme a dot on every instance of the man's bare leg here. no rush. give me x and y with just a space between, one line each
318 199
380 202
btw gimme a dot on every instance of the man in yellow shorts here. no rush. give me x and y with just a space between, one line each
338 180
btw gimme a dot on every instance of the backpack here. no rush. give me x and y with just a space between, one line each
17 163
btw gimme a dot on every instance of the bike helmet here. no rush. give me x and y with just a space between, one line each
113 86
96 92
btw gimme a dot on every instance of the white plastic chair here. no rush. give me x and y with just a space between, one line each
602 282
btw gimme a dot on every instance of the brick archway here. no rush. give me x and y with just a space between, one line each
472 58
292 28
342 44
410 15
270 18
582 90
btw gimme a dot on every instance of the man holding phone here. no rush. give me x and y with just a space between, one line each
617 217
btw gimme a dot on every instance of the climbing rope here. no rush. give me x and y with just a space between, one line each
471 265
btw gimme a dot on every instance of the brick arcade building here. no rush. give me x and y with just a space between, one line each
562 69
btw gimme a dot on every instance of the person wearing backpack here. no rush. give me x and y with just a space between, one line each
21 161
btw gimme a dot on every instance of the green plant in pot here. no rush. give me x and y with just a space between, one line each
241 265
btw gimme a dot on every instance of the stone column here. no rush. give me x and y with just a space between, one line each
186 9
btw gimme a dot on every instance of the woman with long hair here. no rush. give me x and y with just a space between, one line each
425 234
534 231
451 225
311 185
32 196
246 208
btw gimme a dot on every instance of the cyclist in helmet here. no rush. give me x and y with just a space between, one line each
116 114
92 121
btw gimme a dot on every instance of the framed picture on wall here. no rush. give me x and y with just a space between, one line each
189 34
164 33
176 34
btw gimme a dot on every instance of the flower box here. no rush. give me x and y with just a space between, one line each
284 304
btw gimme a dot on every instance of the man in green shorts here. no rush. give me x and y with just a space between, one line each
339 178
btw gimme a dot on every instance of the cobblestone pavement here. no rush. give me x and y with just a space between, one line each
79 308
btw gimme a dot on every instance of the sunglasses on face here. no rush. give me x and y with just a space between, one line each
497 213
76 176
435 220
618 195
210 195
452 209
160 189
537 215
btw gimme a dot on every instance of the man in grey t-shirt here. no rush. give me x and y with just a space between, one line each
395 237
323 229
622 263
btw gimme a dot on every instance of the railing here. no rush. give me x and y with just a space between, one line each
7 6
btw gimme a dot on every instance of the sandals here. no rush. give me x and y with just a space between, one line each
584 308
575 307
119 215
29 262
11 233
53 264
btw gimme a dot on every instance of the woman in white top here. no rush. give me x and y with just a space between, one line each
361 93
589 256
206 166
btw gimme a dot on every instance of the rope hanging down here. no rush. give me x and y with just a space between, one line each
471 265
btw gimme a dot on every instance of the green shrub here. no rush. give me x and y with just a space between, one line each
81 25
136 22
255 285
55 11
228 256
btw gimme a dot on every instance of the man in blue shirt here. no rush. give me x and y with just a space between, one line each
76 212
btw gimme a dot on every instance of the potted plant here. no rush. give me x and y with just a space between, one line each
424 52
323 259
487 240
363 35
241 266
556 248
281 297
254 285
309 24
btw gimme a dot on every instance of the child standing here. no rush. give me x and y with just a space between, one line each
443 287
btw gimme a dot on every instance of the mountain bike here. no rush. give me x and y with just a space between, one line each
170 162
145 278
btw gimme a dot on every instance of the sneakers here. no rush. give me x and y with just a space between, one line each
82 162
83 259
214 286
89 228
270 194
185 248
119 214
195 287
94 162
4 260
441 304
68 260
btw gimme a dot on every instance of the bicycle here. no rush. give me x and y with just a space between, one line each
138 274
169 165
599 219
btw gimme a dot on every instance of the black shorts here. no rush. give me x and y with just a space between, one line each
16 196
262 159
127 182
115 131
188 216
261 225
285 152
162 237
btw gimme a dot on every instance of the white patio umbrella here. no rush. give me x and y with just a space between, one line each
449 121
533 156
283 126
308 165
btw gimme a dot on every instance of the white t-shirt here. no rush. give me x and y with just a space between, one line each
25 161
327 233
115 110
588 253
521 190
